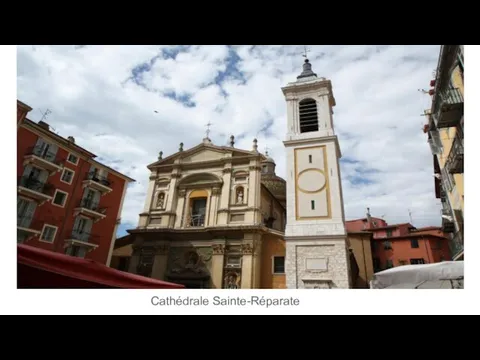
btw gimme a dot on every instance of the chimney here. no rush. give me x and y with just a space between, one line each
71 139
44 125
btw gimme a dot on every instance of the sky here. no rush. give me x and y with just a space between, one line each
127 103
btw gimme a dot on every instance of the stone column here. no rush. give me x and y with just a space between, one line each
225 196
180 208
218 254
257 263
247 265
176 174
159 268
212 212
254 193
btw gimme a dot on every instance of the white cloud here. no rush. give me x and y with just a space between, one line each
94 96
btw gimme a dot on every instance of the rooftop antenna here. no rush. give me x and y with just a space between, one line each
45 114
410 216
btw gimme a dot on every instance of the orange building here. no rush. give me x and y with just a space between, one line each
402 244
67 201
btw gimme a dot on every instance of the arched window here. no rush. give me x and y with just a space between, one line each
239 195
308 115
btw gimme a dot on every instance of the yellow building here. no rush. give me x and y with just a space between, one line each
445 136
214 217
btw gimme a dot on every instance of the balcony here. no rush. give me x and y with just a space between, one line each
90 209
35 189
82 239
44 159
450 109
27 228
195 220
97 182
455 158
448 224
456 245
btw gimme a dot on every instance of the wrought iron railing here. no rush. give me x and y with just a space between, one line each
92 205
45 154
84 236
36 185
97 178
449 97
455 152
195 220
456 244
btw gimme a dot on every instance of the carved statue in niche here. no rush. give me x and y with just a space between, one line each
161 200
240 195
232 280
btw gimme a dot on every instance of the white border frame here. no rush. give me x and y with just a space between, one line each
55 194
63 172
54 235
71 162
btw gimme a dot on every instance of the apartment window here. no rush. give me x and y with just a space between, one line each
389 232
60 198
389 264
374 245
313 204
67 176
417 261
414 244
387 245
376 264
48 233
72 159
402 262
310 159
279 264
77 251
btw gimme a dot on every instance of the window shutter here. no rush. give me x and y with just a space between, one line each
96 198
43 176
76 224
87 229
28 215
39 146
27 170
81 252
52 152
437 140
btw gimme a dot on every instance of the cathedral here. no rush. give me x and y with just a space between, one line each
214 217
219 217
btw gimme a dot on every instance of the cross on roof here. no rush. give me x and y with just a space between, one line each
207 132
266 149
305 50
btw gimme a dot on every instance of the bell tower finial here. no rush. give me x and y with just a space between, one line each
307 67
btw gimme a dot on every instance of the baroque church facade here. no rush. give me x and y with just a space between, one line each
214 217
219 216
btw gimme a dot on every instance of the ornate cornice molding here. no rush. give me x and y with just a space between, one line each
227 170
247 249
218 249
176 175
254 168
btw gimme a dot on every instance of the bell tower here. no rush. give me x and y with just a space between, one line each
317 254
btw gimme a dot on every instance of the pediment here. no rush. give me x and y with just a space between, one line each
204 155
202 152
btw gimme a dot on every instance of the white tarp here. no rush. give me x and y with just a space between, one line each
427 276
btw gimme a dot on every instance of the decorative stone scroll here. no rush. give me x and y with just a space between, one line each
216 191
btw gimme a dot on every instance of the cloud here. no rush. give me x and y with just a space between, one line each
127 103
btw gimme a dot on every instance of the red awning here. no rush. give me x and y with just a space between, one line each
38 268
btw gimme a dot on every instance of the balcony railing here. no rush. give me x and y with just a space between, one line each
447 218
84 236
455 158
45 154
36 185
450 108
456 244
97 178
195 220
92 206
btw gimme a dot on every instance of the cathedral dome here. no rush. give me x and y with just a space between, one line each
274 183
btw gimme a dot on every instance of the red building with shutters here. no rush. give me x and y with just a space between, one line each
402 244
66 200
